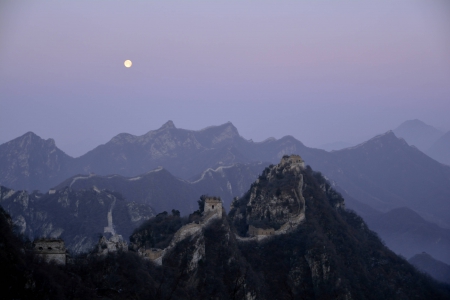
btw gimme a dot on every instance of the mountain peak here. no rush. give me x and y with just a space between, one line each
419 134
414 122
388 137
30 135
231 127
168 124
275 199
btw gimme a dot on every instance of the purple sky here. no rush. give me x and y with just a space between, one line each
322 71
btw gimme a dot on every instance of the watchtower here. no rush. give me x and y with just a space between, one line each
213 204
293 159
50 250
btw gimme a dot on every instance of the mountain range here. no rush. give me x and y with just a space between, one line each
384 172
314 234
375 177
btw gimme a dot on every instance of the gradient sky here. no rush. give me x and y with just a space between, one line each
322 71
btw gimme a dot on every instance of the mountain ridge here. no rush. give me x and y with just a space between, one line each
419 134
378 179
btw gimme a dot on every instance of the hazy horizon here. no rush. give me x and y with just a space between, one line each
322 72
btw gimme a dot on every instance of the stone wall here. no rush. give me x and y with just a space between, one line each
154 254
50 250
254 231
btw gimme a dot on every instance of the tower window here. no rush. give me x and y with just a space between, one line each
213 207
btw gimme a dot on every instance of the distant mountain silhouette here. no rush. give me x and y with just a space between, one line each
386 173
407 233
185 153
29 162
419 134
435 268
440 150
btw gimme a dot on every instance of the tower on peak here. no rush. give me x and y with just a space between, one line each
213 204
293 159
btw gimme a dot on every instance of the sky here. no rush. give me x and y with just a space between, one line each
321 71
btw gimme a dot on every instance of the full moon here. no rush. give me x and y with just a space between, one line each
128 63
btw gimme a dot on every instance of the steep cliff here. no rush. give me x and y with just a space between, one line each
330 254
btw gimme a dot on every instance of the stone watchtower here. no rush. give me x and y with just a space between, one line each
50 250
213 204
292 160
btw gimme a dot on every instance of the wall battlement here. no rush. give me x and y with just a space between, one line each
50 250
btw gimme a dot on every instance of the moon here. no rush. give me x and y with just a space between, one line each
128 63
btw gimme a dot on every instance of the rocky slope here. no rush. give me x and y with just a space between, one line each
274 201
78 217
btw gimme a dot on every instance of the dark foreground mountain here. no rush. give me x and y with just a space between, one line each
403 230
435 268
78 217
288 237
303 244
